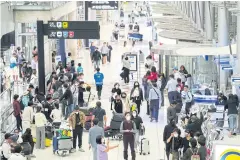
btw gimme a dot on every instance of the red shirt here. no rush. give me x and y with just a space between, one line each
16 108
153 76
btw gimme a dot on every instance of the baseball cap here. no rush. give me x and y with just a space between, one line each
175 68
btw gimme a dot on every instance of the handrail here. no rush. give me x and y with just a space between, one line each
4 91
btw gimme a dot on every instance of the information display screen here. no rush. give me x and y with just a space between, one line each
103 5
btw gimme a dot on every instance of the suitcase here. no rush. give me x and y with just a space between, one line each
49 135
107 132
87 125
115 125
65 144
144 146
88 118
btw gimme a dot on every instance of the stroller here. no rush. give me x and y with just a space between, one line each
114 129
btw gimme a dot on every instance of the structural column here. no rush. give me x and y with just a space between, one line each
223 40
193 8
238 41
209 20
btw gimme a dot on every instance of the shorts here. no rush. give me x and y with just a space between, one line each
104 55
99 88
14 70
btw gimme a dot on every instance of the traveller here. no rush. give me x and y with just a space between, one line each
150 63
145 83
194 124
72 68
13 67
150 44
162 82
168 130
187 99
139 124
34 77
48 107
122 25
176 73
24 72
232 104
68 97
115 91
109 53
222 100
104 52
35 50
29 72
92 49
193 150
171 112
100 114
34 63
79 68
6 147
202 150
180 84
40 122
81 89
99 77
186 141
74 78
21 60
175 141
126 102
17 137
136 95
77 121
178 99
94 132
27 116
184 74
17 153
171 87
128 129
56 114
56 84
96 57
136 27
154 101
153 76
17 111
103 149
74 90
68 59
117 105
126 69
28 138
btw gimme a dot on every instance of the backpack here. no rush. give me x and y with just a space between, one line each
195 155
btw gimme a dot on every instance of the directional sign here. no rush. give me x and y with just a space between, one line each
103 5
73 30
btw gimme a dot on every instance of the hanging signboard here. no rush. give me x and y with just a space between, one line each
103 5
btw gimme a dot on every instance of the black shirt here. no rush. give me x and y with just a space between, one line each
118 91
138 121
98 112
118 106
185 144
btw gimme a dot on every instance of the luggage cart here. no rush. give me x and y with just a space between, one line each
135 36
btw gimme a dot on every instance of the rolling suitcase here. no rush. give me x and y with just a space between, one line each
144 146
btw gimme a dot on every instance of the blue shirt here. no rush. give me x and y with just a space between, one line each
80 69
92 49
98 77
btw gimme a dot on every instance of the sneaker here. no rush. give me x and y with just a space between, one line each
81 150
73 150
33 156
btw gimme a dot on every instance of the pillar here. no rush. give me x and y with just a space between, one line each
199 14
193 9
238 41
209 20
223 40
72 43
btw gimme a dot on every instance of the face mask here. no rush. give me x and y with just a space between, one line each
134 114
128 118
136 85
175 135
123 97
117 87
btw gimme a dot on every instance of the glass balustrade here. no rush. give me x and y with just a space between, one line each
51 4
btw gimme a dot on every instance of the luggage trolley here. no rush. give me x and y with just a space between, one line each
135 36
122 32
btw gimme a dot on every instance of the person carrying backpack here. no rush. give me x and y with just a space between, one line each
192 152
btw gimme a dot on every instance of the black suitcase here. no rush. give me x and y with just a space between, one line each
87 125
115 125
118 117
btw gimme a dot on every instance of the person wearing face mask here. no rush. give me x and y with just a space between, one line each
168 130
128 129
186 141
74 89
178 99
115 91
118 105
139 124
81 89
154 100
126 102
136 95
175 142
191 150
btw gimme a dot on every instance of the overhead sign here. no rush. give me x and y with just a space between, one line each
103 5
73 30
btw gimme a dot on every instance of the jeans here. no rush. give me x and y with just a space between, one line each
96 64
232 122
94 150
19 122
154 105
162 98
171 97
69 110
40 137
128 140
77 133
109 56
99 90
126 75
136 138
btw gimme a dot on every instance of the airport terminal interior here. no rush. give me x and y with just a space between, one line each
176 63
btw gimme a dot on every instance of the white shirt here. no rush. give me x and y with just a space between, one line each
13 60
171 85
27 114
40 120
56 115
177 75
16 156
6 149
